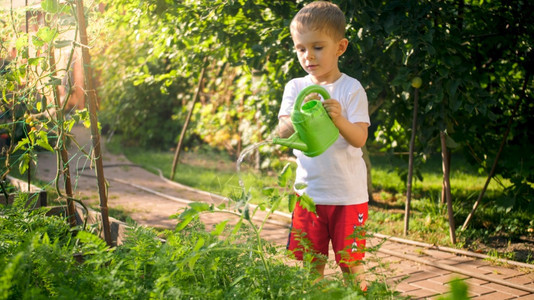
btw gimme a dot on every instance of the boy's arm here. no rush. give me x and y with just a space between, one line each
354 133
285 127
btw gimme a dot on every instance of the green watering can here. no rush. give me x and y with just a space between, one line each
314 130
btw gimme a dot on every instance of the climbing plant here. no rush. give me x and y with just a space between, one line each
39 53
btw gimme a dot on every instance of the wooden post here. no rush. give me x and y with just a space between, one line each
410 164
447 186
187 120
95 135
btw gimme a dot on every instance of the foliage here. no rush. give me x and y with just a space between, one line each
476 75
243 58
459 290
43 253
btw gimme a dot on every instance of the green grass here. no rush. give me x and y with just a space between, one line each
464 178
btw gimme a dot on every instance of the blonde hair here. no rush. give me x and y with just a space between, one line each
320 15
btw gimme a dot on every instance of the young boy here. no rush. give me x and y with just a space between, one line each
337 179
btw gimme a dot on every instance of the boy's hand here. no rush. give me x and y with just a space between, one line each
354 133
333 108
312 96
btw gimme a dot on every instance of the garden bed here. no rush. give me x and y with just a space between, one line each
31 190
93 219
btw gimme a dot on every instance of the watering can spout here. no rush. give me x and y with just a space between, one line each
293 141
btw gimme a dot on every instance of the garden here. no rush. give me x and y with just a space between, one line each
449 151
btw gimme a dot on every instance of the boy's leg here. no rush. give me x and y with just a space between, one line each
319 267
309 234
356 273
349 240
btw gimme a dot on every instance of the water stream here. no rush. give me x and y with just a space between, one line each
249 149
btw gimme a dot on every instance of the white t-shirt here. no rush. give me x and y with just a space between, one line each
338 176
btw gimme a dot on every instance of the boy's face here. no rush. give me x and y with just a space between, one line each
318 54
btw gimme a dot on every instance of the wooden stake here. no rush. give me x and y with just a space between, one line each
447 186
95 135
410 164
187 120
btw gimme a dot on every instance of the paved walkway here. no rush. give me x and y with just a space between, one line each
416 270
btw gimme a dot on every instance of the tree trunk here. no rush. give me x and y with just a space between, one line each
366 158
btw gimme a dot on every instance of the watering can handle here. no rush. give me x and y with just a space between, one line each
308 90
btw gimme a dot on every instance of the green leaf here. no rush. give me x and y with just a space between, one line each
8 273
199 206
199 244
307 203
219 228
21 144
21 43
450 142
246 213
285 176
185 218
37 42
50 6
54 81
43 141
46 34
300 186
237 226
62 43
24 163
292 202
458 290
268 191
276 203
34 61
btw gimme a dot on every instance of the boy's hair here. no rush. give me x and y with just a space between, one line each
320 15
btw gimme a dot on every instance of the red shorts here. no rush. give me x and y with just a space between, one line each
341 224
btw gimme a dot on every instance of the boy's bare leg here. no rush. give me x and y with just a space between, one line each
359 276
319 270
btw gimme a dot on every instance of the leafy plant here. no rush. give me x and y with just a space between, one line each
459 291
43 253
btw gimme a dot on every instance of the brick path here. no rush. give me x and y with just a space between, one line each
415 271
